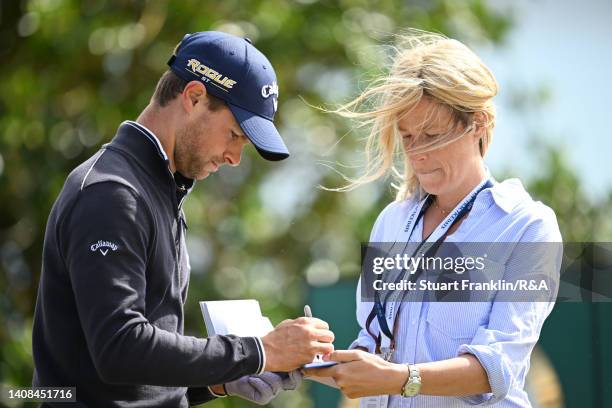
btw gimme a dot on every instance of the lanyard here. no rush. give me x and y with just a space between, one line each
379 310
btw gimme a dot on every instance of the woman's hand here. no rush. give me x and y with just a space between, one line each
362 374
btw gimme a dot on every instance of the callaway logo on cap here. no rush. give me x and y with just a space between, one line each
234 70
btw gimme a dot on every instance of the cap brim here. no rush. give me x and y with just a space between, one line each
262 133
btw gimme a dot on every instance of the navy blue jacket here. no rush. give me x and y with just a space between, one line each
109 312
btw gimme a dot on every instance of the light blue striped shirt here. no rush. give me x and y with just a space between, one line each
500 334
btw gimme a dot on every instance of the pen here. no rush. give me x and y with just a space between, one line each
308 313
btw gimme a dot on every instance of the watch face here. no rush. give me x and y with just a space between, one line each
412 389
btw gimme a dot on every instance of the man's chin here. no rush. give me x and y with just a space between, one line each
202 175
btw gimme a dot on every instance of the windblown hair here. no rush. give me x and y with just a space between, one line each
424 65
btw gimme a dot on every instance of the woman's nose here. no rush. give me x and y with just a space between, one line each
417 157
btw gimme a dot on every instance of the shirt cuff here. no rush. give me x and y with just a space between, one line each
497 374
359 343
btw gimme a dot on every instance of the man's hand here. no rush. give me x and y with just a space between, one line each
294 343
361 374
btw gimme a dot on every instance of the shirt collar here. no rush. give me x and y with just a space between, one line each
508 194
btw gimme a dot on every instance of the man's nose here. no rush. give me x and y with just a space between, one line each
232 157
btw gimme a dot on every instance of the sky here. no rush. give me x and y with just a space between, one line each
564 46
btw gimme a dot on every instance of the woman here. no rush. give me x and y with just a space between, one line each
436 106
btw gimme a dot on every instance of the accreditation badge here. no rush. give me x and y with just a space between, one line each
377 401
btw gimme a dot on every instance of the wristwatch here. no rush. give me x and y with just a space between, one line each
413 384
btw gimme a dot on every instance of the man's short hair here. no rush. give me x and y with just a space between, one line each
170 85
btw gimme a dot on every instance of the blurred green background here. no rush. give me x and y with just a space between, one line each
73 70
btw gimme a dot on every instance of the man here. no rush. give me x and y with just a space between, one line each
109 313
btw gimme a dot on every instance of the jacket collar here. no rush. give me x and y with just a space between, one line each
151 136
142 144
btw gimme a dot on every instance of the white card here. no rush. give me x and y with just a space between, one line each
239 317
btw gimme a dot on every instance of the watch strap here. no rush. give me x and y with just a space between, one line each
413 383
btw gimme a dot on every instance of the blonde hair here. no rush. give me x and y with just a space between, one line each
424 65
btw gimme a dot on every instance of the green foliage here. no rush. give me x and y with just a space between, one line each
580 219
73 70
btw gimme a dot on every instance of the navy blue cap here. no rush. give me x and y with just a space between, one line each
234 70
